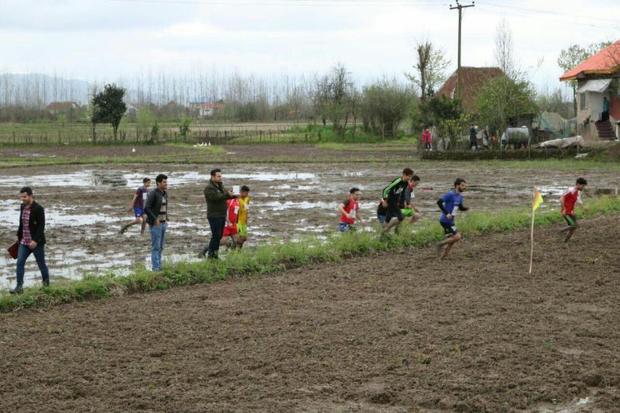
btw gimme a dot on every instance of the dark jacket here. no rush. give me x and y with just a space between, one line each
216 196
152 206
36 223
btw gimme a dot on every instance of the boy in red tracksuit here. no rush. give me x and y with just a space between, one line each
232 217
568 201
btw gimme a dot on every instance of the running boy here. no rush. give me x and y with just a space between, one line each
568 200
137 206
392 200
350 211
449 203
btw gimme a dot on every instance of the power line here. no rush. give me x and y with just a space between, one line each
303 3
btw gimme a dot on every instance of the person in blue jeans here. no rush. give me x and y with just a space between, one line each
156 210
216 195
31 238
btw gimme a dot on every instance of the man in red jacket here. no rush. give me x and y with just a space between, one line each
31 238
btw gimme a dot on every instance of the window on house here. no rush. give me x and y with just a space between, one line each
582 101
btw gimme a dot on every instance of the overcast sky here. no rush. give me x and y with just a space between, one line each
108 39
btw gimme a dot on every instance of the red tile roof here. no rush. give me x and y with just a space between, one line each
472 80
605 62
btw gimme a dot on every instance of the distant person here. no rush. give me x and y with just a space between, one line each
350 211
216 196
473 138
408 209
156 210
449 203
427 139
485 139
391 201
31 238
137 206
568 200
605 114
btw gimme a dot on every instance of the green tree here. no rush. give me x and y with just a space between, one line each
501 99
434 110
384 106
429 70
108 107
334 98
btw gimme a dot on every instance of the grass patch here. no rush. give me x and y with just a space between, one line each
276 257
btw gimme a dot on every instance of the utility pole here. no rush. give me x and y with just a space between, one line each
460 8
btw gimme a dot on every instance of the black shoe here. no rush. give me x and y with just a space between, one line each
16 290
213 257
46 284
201 254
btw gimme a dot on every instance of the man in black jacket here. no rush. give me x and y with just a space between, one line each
156 210
216 196
31 238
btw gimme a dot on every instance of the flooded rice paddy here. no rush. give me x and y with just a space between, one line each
85 206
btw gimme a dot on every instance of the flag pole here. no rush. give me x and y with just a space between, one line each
532 232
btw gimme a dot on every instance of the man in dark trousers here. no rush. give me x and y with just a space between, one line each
216 196
156 210
31 238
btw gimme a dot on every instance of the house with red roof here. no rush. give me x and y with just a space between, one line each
472 81
598 93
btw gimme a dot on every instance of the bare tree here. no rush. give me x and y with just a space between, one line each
504 50
429 69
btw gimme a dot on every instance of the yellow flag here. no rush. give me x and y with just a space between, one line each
538 199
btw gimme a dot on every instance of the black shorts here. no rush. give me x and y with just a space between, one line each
449 229
571 220
394 213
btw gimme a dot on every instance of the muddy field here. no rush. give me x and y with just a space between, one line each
397 332
86 205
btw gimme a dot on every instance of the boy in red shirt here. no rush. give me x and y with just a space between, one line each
232 217
568 200
349 211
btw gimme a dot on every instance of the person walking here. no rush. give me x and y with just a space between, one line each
156 210
216 196
137 206
31 238
449 203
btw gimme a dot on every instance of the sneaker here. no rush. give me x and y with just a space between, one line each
123 229
16 290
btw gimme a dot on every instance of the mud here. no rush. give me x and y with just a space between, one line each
86 205
394 332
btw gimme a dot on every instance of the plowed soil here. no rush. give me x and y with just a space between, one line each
397 332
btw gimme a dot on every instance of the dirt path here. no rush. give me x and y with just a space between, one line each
395 332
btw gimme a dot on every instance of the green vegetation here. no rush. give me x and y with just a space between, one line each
272 258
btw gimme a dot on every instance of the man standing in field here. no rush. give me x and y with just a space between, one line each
156 210
137 206
31 238
407 206
391 200
216 196
568 201
449 203
349 211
